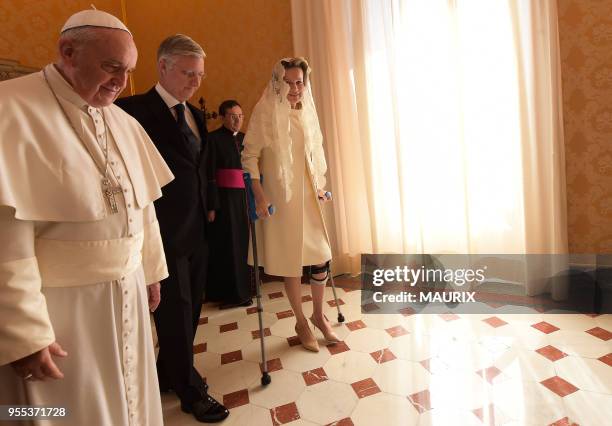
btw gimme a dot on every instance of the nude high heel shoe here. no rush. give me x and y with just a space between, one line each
307 339
330 336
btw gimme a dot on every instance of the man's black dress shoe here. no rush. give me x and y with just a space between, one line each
246 303
206 410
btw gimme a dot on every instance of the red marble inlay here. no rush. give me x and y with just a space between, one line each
421 401
489 373
489 415
284 414
545 327
425 363
551 353
203 320
256 333
276 295
285 314
343 422
369 307
559 386
396 331
449 316
231 357
228 327
251 310
495 322
236 399
355 325
332 303
600 333
336 348
365 388
407 311
199 348
312 377
383 356
565 421
273 365
307 298
606 359
293 341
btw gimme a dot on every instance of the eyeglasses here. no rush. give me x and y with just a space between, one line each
115 68
236 116
194 74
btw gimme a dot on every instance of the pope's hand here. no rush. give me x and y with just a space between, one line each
40 365
154 296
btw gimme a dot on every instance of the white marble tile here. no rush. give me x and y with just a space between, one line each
384 409
402 378
368 340
286 387
327 402
350 367
229 341
589 408
528 403
586 374
299 359
232 377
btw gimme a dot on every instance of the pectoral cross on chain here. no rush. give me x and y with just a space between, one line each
109 192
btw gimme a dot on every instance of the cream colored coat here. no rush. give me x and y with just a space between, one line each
69 271
295 235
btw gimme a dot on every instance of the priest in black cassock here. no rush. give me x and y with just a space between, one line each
229 276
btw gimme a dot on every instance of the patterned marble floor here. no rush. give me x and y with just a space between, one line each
414 369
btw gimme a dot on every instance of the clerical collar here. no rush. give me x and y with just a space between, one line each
62 88
230 131
170 100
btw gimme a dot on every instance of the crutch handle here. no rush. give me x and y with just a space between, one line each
326 196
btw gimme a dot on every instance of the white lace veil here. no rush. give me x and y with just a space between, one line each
270 126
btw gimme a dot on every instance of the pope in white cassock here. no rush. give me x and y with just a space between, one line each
80 250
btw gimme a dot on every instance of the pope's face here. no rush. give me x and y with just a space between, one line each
181 75
99 69
294 77
233 118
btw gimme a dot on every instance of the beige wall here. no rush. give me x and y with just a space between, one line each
585 28
30 29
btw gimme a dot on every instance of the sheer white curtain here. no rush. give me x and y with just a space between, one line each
443 124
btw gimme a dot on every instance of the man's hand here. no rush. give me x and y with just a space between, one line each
211 215
154 296
40 365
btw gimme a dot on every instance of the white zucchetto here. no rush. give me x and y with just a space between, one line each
93 18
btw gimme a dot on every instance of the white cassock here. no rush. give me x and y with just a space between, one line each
70 271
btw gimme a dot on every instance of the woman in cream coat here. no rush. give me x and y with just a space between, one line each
283 152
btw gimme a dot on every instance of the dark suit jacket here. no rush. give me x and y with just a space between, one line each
182 209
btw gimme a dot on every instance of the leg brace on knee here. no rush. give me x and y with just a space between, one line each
318 270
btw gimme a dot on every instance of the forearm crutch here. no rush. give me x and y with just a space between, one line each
252 213
328 196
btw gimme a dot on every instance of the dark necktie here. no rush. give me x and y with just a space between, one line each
190 138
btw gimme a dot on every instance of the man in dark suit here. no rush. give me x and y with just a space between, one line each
178 130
